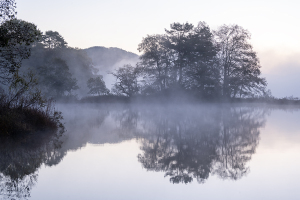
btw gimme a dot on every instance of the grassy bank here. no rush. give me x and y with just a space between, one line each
24 121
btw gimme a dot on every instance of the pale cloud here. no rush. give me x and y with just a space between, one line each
282 72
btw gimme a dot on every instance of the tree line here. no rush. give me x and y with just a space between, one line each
194 59
35 66
24 110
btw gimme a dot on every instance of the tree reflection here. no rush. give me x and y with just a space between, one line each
238 139
20 159
189 144
126 122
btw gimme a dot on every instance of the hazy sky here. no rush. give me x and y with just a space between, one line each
274 26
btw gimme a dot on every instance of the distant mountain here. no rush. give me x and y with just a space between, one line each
108 59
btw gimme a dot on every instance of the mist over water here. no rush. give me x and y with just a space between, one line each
201 112
166 145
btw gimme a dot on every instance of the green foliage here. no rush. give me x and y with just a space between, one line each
97 86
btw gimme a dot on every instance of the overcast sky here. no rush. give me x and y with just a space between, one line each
274 26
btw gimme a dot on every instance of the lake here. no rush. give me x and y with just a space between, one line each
150 151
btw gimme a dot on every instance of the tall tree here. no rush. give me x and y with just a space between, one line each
240 64
16 37
97 86
127 81
79 63
202 73
7 10
55 78
185 56
154 61
52 39
178 41
202 62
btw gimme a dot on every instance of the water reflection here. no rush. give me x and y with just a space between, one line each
20 159
187 143
237 140
190 144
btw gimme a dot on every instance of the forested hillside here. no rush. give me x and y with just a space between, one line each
106 59
63 70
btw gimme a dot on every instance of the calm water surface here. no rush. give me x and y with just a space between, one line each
159 152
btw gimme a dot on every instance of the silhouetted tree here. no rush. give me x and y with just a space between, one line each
97 86
127 81
7 10
53 39
239 63
202 73
23 93
54 78
205 63
178 40
16 37
79 64
155 62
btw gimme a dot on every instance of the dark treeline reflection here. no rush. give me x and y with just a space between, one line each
20 159
186 142
192 142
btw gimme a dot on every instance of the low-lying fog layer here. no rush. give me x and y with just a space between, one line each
186 142
154 151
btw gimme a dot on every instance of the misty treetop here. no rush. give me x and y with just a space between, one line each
107 59
16 37
52 39
205 63
55 78
60 70
97 86
7 10
239 63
